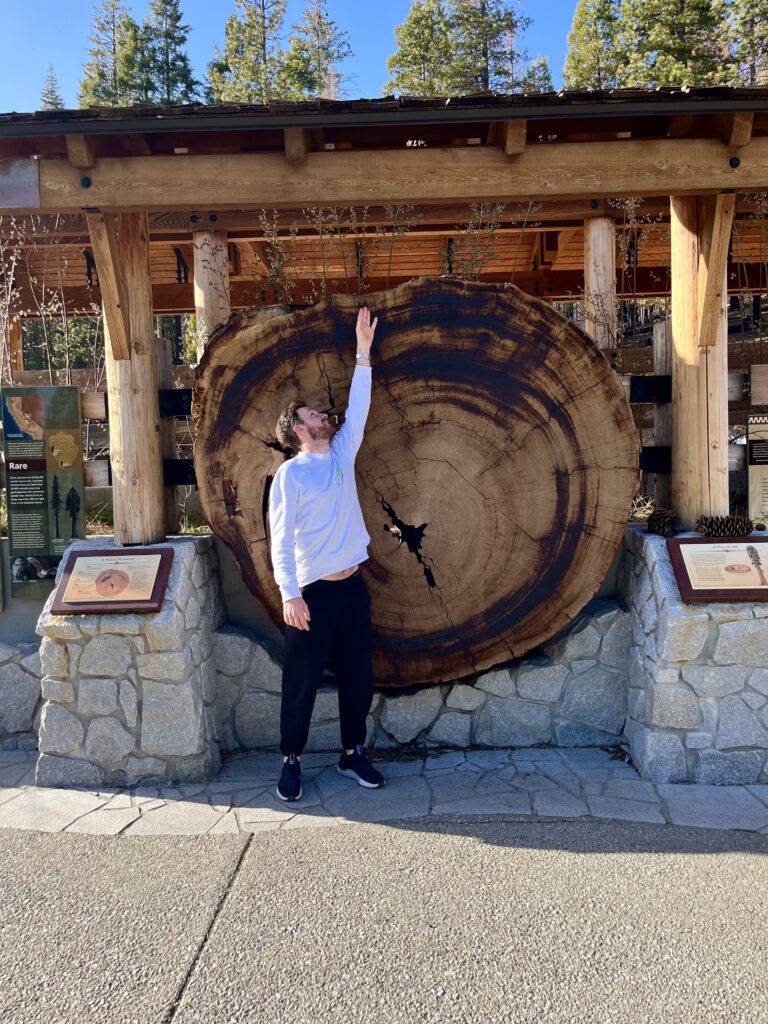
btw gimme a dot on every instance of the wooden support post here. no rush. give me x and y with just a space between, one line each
15 347
167 430
699 375
211 273
132 385
662 413
600 281
715 222
110 267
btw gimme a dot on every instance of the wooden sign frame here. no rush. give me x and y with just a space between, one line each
692 594
120 559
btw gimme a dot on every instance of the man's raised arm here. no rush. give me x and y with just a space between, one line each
349 438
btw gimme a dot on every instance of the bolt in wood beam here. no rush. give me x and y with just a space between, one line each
109 253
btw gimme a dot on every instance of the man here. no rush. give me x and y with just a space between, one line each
319 540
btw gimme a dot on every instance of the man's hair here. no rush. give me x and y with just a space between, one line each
286 422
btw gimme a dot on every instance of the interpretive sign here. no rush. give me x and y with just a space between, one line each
757 465
99 582
44 482
708 569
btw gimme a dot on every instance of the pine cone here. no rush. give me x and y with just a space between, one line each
664 522
724 526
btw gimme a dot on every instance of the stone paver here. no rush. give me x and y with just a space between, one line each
532 782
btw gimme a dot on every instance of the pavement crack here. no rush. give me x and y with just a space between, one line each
173 1009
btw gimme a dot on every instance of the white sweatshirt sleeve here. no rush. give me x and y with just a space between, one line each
349 438
283 502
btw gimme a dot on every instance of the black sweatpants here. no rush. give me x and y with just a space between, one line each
339 627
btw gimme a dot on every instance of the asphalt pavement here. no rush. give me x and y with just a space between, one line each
438 919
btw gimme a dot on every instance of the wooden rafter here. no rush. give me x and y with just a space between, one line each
514 135
297 145
738 129
80 151
114 293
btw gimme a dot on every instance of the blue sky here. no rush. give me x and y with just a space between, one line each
36 33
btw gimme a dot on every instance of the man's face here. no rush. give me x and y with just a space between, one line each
317 424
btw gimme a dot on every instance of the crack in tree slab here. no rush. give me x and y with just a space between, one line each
276 446
325 379
411 535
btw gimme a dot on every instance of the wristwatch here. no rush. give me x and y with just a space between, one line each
363 355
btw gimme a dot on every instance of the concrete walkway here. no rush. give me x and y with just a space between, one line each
534 783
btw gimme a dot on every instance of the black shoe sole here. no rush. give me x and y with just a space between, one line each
287 799
348 773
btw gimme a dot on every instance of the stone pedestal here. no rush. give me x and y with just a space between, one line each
573 693
130 697
698 677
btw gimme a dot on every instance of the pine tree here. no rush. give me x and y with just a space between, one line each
537 76
676 42
247 69
50 98
100 84
309 66
72 507
168 62
135 83
487 56
56 503
425 54
750 34
594 59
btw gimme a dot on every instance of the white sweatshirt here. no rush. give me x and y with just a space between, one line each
315 519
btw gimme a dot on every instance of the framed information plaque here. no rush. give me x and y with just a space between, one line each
110 581
707 569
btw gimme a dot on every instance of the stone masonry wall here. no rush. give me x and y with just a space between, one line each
573 694
20 700
130 697
698 677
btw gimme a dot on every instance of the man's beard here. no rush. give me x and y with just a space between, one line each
323 433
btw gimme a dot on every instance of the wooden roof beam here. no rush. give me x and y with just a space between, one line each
114 292
80 151
549 171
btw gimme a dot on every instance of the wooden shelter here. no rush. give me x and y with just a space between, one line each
190 208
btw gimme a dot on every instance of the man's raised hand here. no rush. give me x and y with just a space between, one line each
296 613
365 329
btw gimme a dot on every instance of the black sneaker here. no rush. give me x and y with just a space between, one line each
356 766
289 786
